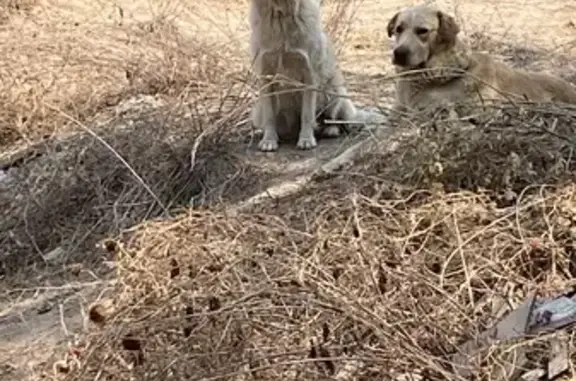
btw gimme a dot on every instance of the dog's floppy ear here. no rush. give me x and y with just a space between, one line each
392 24
448 29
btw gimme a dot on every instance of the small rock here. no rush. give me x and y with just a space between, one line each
533 375
75 268
54 255
561 360
4 177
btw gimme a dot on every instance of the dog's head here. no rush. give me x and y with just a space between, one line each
419 33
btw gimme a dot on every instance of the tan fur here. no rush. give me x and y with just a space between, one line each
437 68
288 42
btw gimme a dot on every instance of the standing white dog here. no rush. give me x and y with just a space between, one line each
298 76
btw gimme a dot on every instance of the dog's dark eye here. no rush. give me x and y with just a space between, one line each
421 31
399 29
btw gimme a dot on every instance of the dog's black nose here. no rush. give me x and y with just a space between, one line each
400 56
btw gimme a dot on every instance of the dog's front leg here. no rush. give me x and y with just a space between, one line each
297 61
265 118
306 139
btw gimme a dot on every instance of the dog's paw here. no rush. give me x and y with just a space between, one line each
268 145
306 142
332 131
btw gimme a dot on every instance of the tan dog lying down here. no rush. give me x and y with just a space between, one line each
425 38
288 42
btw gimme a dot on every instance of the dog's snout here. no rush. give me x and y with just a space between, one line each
401 55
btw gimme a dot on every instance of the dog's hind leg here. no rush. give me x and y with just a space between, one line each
339 105
342 110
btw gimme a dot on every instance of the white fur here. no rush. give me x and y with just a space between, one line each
288 41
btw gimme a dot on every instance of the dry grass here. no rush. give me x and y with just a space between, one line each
522 146
82 87
119 105
383 278
404 257
81 57
67 64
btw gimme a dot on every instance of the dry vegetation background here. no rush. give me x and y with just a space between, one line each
374 273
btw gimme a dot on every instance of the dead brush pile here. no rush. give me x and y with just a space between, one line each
69 193
521 148
376 273
100 117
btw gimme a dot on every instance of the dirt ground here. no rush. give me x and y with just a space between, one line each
83 79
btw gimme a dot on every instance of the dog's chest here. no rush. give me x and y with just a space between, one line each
282 32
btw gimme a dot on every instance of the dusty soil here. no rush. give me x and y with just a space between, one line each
43 308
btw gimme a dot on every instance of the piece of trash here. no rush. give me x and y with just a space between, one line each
533 317
510 327
552 314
